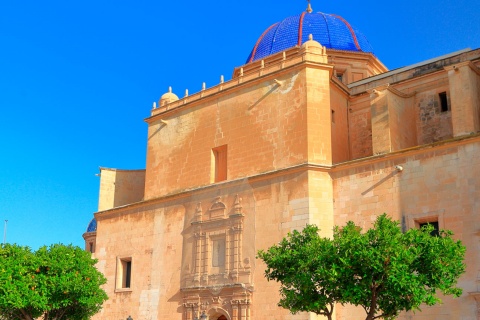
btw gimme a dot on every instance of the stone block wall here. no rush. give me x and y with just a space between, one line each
159 238
120 187
439 183
261 124
360 129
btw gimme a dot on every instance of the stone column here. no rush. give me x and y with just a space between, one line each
228 252
198 257
206 259
234 312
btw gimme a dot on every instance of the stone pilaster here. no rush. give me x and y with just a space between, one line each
464 83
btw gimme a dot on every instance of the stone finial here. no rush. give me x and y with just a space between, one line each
198 212
310 37
221 79
237 207
241 71
186 93
154 105
204 86
309 7
167 98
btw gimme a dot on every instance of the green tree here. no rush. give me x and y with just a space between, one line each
383 269
54 283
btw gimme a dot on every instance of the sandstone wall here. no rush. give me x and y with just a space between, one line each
435 184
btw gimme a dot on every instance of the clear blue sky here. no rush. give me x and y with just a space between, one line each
77 78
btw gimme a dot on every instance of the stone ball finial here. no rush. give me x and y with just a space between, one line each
167 98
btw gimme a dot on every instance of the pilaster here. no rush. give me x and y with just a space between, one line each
393 122
464 82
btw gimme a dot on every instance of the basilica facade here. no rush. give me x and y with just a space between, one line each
312 129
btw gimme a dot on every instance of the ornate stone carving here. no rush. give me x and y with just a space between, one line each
241 301
198 212
213 225
191 304
237 207
217 300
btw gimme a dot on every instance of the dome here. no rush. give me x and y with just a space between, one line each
330 30
92 226
168 98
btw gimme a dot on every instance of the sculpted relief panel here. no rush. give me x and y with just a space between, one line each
218 281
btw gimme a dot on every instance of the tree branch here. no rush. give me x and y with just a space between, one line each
26 316
373 304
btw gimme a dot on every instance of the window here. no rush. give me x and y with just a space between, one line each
333 116
435 232
124 273
218 253
444 107
220 163
91 247
418 220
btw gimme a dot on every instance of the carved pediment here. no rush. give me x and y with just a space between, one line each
217 210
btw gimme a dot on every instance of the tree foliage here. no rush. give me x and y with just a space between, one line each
383 269
54 283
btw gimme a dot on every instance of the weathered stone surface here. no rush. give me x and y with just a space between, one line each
302 147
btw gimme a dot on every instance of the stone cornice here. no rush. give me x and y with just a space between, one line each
391 89
456 66
416 71
258 71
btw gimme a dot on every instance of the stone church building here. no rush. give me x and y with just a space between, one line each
312 129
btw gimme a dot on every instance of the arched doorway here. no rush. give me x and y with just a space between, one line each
218 314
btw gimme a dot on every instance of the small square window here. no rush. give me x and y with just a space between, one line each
339 74
436 230
124 273
434 218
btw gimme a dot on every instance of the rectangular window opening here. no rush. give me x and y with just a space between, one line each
333 116
220 163
444 107
435 232
124 273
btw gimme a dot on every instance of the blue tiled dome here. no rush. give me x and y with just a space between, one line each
330 30
92 226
